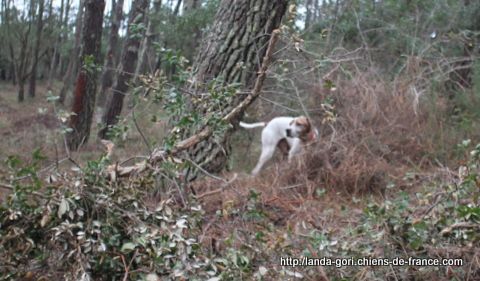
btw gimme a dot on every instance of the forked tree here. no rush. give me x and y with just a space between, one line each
86 85
232 51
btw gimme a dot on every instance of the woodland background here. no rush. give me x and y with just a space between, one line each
122 157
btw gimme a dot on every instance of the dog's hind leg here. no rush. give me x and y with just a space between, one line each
267 153
295 149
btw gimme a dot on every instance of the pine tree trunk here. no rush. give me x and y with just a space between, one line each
126 67
74 58
86 86
111 62
232 51
33 75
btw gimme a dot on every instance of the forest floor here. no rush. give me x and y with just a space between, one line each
34 124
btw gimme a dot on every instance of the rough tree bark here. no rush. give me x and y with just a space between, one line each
85 88
126 68
74 54
232 51
36 52
110 61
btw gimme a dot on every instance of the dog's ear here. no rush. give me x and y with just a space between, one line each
302 121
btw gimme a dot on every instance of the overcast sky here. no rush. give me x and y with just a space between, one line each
57 3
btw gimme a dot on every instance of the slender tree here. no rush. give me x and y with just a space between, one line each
36 52
232 51
127 65
190 5
22 62
64 36
56 46
74 54
110 60
309 13
146 45
86 86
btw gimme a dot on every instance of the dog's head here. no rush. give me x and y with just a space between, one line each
301 127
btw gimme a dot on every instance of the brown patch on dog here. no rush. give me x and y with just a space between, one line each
307 133
283 146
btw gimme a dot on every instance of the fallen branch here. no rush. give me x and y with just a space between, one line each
458 225
209 193
159 154
12 188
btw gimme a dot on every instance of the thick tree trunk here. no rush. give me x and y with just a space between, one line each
86 86
33 75
111 62
126 68
232 51
74 54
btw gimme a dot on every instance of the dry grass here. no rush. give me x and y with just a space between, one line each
381 131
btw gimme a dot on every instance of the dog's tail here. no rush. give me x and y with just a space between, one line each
252 125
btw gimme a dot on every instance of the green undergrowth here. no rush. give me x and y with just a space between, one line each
83 227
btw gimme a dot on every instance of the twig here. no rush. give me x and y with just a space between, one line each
218 190
291 186
12 188
42 170
205 171
140 132
449 229
127 268
299 99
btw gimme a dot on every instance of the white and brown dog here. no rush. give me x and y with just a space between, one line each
286 133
